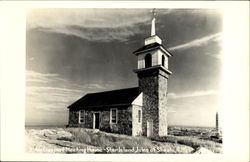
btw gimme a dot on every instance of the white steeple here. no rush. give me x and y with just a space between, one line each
153 23
153 38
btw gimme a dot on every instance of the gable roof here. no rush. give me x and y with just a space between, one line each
151 47
114 98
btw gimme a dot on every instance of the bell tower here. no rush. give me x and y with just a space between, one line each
152 71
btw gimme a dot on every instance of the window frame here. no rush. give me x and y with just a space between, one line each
139 116
116 113
81 116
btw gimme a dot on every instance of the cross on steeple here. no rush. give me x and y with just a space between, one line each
153 38
153 12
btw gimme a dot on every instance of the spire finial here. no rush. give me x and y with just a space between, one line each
153 37
153 12
153 22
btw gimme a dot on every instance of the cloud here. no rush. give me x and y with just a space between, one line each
54 90
96 18
44 92
195 109
91 24
198 42
50 93
32 76
218 55
121 34
193 94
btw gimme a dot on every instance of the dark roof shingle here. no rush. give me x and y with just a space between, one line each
150 47
115 98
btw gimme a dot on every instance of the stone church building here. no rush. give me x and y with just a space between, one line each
133 111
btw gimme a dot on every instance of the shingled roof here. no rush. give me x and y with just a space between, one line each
114 98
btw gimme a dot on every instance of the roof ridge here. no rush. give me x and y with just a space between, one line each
112 90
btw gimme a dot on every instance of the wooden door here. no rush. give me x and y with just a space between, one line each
149 128
96 121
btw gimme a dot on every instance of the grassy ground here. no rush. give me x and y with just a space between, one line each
114 143
193 142
80 140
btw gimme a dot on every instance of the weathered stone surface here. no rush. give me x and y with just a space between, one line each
73 118
163 89
88 122
153 84
123 125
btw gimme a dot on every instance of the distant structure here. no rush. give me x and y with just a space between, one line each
217 122
134 111
218 133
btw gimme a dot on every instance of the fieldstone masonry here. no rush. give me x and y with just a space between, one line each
153 84
162 92
73 118
123 125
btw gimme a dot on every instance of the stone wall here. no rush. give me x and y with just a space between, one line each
163 90
73 118
149 86
123 125
153 84
88 122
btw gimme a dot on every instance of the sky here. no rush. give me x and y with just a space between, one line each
72 52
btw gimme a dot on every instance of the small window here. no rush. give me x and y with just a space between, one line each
113 115
148 61
139 116
163 60
81 116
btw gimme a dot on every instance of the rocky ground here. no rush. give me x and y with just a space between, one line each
66 140
47 141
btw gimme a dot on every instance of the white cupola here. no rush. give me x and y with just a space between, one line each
153 53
